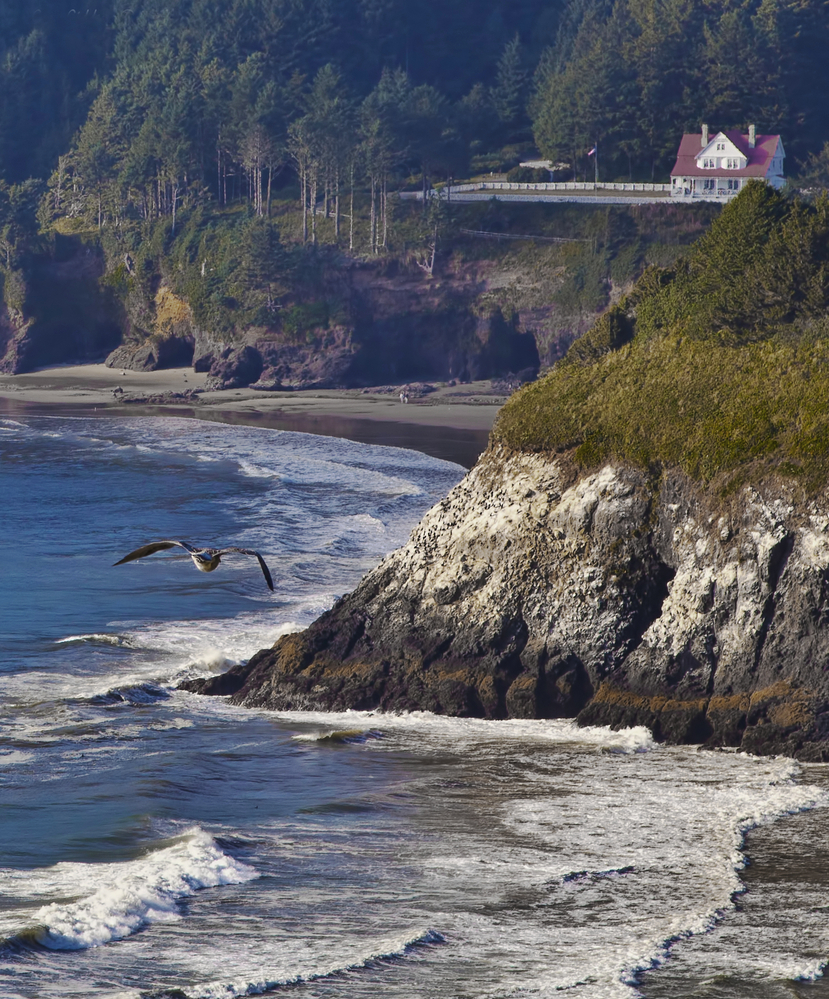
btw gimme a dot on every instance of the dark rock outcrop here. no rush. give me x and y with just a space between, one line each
271 364
153 354
56 310
531 592
235 367
14 339
398 327
158 332
354 324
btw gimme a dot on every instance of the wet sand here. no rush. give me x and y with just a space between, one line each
452 423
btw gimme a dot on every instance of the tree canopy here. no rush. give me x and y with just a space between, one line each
635 74
155 103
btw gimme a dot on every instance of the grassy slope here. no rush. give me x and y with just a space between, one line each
719 366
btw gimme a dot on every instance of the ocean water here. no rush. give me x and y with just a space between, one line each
155 843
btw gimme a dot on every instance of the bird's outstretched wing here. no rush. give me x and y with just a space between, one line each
155 546
249 551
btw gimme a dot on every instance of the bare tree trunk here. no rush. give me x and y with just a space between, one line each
175 198
314 207
337 204
270 176
303 183
351 217
384 202
61 163
373 237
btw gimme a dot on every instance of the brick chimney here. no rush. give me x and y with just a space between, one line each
704 136
752 136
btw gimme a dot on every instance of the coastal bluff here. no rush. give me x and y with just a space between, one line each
534 590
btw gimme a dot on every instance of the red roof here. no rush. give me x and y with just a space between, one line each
759 158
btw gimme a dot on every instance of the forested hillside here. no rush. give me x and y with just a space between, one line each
201 144
635 74
146 107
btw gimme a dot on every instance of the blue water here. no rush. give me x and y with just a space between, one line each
154 840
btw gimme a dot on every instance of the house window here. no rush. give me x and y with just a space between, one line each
709 184
720 147
733 185
709 164
732 164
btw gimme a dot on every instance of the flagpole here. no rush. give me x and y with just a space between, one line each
596 166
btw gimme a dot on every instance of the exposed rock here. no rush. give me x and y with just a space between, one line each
56 310
235 367
326 362
385 322
160 333
153 354
206 349
530 592
190 396
14 331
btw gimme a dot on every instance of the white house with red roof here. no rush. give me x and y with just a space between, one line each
716 168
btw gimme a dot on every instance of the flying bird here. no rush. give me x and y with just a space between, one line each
206 559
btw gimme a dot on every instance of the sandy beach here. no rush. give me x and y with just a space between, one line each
453 422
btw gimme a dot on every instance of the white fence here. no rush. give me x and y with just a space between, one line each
570 185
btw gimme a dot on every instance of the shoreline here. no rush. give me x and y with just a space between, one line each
451 423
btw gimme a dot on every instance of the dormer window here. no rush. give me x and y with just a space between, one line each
709 164
732 164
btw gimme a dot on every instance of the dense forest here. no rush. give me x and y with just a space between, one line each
635 74
143 108
166 128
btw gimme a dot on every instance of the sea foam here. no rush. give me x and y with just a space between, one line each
383 949
116 900
459 733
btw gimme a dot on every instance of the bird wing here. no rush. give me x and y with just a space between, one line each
249 551
154 546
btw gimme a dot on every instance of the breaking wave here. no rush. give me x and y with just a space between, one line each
113 901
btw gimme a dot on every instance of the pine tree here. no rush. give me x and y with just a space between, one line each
509 95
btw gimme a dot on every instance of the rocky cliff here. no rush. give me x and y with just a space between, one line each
533 592
366 323
56 309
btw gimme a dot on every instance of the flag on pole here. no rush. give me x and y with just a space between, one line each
592 151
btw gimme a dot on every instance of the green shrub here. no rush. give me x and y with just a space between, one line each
528 175
715 366
302 319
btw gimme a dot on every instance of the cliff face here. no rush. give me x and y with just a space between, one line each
529 592
14 327
381 322
56 310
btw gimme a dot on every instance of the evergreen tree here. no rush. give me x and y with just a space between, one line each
509 95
